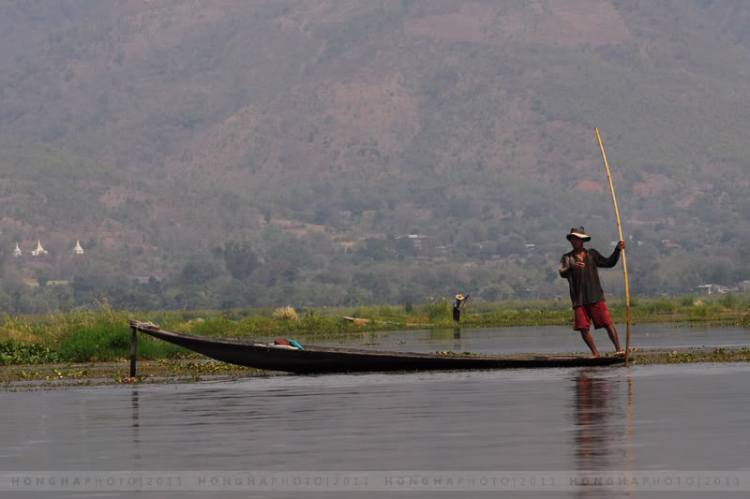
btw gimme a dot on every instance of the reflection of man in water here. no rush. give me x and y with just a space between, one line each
600 419
591 421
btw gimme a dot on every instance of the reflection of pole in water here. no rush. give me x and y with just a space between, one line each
630 406
135 425
630 438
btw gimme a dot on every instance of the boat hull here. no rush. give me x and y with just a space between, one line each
315 359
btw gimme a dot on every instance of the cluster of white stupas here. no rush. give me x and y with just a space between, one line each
78 250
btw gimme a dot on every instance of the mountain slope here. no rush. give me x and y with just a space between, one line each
469 122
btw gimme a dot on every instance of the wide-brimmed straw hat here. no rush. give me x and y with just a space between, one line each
578 232
460 297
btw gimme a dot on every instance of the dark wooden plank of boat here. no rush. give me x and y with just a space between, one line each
330 360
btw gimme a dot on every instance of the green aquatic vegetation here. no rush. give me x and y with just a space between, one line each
104 334
692 356
217 326
680 357
687 301
661 305
13 352
439 311
700 313
525 317
729 301
108 342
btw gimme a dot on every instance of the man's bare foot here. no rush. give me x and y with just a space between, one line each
620 353
595 356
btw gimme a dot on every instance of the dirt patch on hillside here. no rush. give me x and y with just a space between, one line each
116 196
652 184
299 229
687 199
163 25
457 27
584 21
539 21
385 111
590 186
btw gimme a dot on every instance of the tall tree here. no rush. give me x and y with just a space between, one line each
240 259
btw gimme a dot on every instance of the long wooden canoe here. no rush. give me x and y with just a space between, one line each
319 359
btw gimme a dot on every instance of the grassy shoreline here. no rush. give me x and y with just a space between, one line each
103 335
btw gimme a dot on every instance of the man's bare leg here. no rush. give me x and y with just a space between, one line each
589 340
612 332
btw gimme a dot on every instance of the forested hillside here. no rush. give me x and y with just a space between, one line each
227 153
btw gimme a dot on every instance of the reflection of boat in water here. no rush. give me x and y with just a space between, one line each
319 359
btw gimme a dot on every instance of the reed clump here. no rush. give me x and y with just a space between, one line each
285 314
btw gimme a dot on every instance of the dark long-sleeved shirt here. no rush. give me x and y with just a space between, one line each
584 283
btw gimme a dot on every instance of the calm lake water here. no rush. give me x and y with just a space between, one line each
382 429
549 339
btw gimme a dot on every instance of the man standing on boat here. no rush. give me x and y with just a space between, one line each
580 268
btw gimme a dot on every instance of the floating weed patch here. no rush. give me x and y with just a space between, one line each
13 352
692 356
680 357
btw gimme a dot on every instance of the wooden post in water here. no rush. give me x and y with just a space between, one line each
133 348
624 261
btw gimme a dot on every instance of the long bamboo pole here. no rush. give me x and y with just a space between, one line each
624 261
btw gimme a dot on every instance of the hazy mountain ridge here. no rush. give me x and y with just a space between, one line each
470 122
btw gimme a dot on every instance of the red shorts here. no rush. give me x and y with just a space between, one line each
592 312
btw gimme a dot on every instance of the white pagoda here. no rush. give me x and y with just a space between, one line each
39 250
78 250
17 252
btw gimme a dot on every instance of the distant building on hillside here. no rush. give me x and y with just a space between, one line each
78 250
711 289
39 250
415 238
17 252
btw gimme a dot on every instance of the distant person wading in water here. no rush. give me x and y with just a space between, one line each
579 267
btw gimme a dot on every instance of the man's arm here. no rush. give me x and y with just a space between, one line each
612 260
565 266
